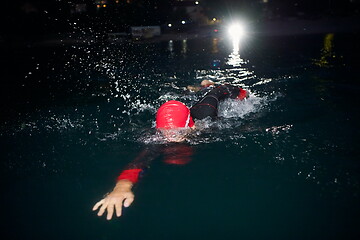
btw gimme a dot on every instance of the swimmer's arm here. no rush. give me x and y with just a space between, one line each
119 196
122 194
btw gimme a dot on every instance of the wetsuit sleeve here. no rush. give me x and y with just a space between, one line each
208 105
135 169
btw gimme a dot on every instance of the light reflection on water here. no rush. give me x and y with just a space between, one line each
130 104
131 98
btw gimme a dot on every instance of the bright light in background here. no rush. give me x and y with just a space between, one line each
236 33
197 2
169 25
183 22
237 30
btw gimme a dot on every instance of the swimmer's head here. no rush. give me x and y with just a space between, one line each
172 115
207 83
173 120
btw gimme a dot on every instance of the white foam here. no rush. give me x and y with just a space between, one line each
233 108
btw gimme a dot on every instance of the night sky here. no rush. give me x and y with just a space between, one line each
34 17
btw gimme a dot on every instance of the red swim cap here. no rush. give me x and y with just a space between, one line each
173 114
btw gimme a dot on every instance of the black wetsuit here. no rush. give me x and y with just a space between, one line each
179 153
208 105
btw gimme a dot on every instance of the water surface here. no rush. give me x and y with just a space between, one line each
282 165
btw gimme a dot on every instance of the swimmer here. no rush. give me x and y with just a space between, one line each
174 120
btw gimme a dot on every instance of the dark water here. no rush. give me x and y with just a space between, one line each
282 165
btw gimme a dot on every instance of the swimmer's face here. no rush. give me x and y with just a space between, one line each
175 135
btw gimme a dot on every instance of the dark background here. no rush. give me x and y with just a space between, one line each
27 18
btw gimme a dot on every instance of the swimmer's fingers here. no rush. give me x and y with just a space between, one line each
103 208
110 211
118 208
129 199
108 205
115 202
98 204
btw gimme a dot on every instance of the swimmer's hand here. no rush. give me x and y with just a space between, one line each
193 88
121 194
